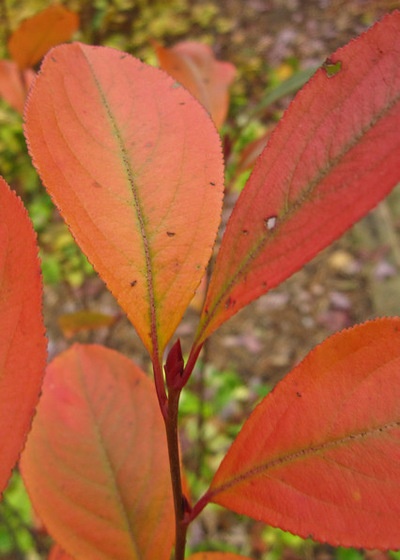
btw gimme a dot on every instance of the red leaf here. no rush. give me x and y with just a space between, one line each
135 166
320 455
22 340
333 156
36 35
96 463
14 84
217 556
196 68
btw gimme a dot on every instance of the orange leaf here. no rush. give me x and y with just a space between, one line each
320 456
72 323
198 299
332 157
36 35
195 67
22 340
14 84
217 556
135 166
57 553
96 464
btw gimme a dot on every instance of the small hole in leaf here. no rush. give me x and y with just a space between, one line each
270 222
332 68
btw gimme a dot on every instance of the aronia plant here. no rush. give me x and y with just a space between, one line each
134 165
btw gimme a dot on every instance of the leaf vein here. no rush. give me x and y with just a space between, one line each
300 455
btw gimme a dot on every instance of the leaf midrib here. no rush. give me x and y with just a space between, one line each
138 208
107 461
300 454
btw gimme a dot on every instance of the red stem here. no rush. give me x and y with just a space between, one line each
169 408
197 508
171 426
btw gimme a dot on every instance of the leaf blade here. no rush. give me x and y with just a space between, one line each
22 339
324 167
194 66
95 464
36 35
14 84
325 462
57 553
145 215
